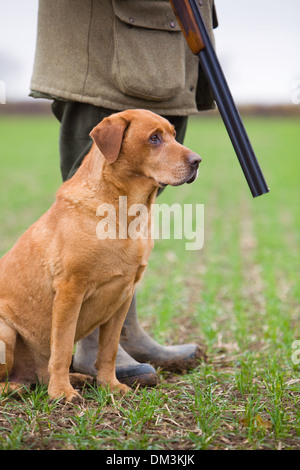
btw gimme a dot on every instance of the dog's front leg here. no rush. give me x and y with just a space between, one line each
66 308
109 338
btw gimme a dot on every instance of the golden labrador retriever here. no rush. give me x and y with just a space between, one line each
60 281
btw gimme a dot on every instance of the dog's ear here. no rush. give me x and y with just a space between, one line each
108 136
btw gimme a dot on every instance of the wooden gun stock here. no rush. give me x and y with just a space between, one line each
190 20
188 25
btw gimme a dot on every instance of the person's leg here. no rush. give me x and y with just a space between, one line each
76 122
180 123
128 370
137 342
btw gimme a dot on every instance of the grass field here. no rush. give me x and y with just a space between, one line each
239 296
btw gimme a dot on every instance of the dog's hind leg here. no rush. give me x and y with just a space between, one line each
8 337
79 380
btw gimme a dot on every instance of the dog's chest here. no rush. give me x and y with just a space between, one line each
102 302
112 285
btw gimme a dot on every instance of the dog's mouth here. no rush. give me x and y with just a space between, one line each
195 175
187 179
162 185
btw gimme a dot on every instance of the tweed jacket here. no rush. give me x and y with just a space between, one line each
119 54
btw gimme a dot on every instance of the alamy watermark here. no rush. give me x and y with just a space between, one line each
296 353
162 221
2 92
2 352
296 92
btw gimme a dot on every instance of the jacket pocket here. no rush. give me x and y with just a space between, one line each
149 55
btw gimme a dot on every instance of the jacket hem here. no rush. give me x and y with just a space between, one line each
54 94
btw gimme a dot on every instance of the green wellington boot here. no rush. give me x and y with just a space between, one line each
135 354
128 371
138 344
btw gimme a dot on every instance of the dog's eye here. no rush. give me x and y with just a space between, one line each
155 139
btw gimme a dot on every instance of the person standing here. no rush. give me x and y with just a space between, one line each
97 57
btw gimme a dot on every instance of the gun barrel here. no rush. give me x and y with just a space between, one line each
227 108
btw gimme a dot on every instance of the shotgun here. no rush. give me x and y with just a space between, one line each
192 25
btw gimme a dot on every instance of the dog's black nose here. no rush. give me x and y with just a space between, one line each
194 159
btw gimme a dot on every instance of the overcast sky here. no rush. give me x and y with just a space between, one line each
258 46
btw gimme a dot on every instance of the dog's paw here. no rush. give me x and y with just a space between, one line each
122 388
7 388
114 385
67 394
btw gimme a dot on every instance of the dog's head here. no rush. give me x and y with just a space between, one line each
141 143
